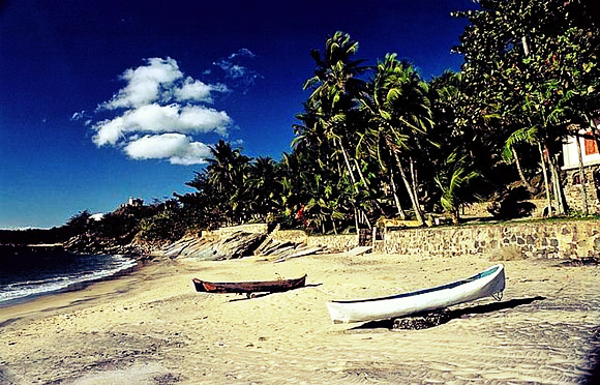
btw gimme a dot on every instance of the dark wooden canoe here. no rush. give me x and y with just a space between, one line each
247 287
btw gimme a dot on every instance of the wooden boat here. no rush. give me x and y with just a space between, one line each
249 287
490 282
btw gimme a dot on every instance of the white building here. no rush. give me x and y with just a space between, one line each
589 151
590 159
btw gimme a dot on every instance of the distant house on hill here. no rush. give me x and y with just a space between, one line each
135 202
586 152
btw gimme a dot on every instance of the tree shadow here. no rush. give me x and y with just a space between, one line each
594 377
448 315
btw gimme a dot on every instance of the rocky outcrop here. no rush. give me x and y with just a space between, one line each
235 245
89 243
240 242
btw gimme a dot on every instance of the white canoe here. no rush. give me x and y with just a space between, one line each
487 283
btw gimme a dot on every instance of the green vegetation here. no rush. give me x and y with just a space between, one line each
379 141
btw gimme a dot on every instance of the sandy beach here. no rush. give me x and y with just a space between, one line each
151 327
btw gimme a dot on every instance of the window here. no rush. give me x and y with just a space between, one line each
591 147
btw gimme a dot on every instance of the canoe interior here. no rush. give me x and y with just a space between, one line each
492 270
249 286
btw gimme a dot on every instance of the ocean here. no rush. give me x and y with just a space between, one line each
26 272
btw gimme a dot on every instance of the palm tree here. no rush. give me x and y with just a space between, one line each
452 180
263 187
227 173
400 117
333 101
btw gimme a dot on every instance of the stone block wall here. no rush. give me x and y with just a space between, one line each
289 235
574 190
573 240
253 228
335 243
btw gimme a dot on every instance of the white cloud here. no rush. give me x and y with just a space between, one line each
109 131
195 90
242 52
155 118
177 148
160 111
145 83
233 69
203 120
78 115
82 115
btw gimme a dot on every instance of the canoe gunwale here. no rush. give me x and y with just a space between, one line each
274 286
446 286
484 284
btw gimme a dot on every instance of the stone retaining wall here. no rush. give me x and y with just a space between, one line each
289 235
335 243
479 210
252 228
574 240
574 190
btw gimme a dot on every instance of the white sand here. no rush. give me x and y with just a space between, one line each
152 327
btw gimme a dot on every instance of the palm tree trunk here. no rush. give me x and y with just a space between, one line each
365 219
347 162
413 176
401 212
360 173
343 149
520 171
455 217
545 173
582 178
414 183
413 198
560 193
561 209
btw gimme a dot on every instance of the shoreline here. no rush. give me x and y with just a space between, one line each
34 306
138 260
151 327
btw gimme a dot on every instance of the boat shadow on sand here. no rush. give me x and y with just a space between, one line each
428 320
258 295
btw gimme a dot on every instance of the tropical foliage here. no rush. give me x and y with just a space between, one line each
380 141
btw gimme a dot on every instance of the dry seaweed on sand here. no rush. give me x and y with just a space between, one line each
423 320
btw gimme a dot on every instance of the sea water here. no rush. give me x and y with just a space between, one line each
26 272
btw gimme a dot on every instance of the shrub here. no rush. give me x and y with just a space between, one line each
160 228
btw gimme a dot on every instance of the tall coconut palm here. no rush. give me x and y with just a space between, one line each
227 172
333 100
400 117
262 187
452 179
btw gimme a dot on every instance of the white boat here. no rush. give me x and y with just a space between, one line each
488 283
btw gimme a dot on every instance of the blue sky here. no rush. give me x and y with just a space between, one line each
102 101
